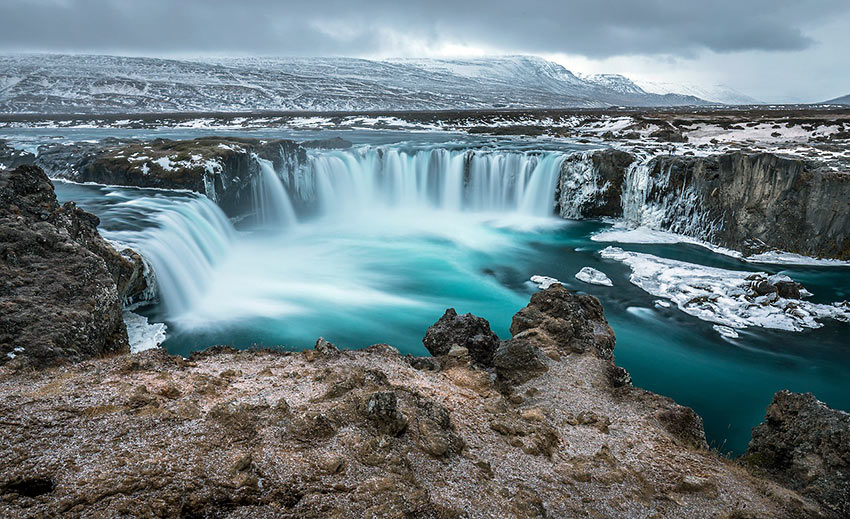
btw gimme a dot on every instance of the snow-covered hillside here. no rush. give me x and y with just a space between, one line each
109 84
715 93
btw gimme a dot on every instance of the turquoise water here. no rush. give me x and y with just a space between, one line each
386 275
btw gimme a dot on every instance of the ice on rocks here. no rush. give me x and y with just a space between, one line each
143 335
721 296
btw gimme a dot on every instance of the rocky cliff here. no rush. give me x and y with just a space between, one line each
61 285
221 168
541 425
591 184
749 202
753 202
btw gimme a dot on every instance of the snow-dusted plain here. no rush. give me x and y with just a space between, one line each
52 84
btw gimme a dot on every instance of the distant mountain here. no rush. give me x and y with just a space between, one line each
617 83
109 84
715 93
844 100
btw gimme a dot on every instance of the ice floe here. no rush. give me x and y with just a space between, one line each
788 258
593 276
143 335
730 298
543 282
645 235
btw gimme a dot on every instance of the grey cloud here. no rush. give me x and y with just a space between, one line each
596 29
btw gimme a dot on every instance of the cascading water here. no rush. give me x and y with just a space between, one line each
187 239
272 202
454 180
649 201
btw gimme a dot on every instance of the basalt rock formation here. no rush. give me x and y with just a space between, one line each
61 284
805 445
370 433
224 169
594 188
754 202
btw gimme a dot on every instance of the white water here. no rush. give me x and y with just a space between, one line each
189 237
208 273
274 208
361 180
648 201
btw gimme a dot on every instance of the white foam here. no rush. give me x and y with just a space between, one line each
594 277
722 296
143 335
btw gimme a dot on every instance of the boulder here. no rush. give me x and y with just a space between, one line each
805 445
518 360
570 321
465 331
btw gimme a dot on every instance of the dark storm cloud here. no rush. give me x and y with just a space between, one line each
595 29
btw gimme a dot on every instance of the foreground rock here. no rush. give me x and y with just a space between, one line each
753 202
61 285
550 429
224 169
806 445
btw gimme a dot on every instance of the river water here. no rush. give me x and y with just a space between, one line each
396 236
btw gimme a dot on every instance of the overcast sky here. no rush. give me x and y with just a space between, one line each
774 50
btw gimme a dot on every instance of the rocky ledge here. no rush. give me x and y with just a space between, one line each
541 425
61 284
748 202
754 202
223 168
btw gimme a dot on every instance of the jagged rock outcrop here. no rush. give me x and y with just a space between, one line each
223 168
462 331
753 202
329 433
805 445
61 285
11 158
591 184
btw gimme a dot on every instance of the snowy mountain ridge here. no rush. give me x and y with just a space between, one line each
60 84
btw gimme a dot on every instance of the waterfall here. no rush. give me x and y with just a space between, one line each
651 200
189 236
580 186
271 200
459 180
